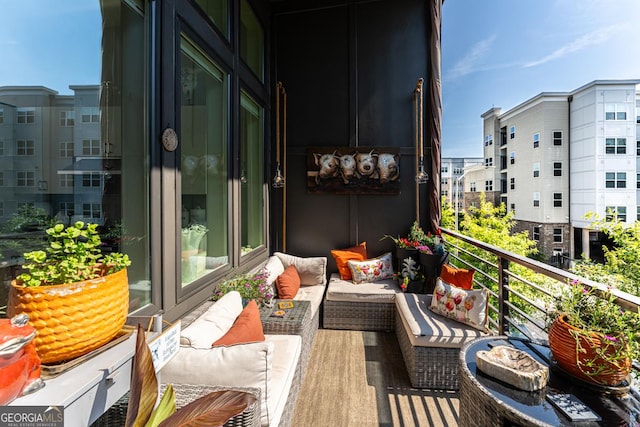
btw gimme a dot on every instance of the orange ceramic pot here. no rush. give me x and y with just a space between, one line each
564 348
73 319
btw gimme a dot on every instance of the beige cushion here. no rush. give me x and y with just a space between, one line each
428 329
274 268
242 365
312 270
381 291
313 294
286 353
213 323
269 365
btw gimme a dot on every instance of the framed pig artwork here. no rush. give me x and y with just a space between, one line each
353 170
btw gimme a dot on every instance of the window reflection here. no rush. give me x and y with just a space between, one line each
252 175
81 155
251 39
203 118
216 10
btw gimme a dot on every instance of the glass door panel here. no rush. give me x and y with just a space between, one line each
204 164
73 137
251 174
217 11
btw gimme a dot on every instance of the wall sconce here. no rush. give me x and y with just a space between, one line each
278 179
421 175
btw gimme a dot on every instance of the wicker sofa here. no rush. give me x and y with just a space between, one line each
364 307
430 343
275 366
313 280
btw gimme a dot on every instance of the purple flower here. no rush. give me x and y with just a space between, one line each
610 338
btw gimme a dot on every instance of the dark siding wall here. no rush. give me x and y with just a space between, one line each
349 70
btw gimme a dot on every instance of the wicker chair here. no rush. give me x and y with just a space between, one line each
185 394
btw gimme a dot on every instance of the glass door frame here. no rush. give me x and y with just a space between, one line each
178 17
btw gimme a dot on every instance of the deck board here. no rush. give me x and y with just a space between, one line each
358 378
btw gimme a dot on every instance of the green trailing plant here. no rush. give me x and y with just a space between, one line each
213 409
74 254
597 315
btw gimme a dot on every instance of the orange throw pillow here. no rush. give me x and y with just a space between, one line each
342 256
288 283
458 277
247 327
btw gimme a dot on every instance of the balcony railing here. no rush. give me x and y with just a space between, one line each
520 288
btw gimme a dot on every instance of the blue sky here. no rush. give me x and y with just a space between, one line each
499 53
33 37
494 52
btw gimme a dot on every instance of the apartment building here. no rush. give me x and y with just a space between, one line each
51 153
452 176
561 155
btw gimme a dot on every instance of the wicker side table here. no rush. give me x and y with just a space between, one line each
296 321
485 401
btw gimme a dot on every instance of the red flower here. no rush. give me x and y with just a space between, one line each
449 304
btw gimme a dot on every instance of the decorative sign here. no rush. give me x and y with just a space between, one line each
353 170
165 346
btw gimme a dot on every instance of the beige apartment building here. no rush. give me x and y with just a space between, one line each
560 155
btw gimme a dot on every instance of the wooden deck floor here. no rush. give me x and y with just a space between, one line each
358 378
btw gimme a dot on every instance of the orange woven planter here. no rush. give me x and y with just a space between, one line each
73 319
565 350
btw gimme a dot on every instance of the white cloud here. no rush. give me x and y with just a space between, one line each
472 60
590 39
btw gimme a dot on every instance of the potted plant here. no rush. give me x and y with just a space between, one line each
410 278
591 337
407 247
251 286
76 297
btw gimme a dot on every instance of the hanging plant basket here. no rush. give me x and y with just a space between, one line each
72 319
578 352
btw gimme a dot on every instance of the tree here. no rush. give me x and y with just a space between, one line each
447 214
494 225
622 261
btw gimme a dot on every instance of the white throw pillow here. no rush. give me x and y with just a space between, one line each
214 323
312 270
274 268
465 306
370 270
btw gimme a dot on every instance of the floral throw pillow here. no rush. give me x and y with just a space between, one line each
370 270
464 306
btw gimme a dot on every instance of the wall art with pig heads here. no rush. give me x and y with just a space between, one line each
353 170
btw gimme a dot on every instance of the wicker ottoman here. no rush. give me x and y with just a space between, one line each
430 343
362 307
